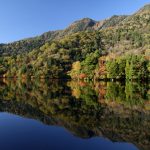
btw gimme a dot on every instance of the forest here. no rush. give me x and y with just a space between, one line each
117 48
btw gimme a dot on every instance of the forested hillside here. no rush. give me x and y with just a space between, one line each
115 48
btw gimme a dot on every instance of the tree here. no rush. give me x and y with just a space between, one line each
112 69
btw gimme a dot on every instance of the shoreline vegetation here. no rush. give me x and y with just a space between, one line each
117 48
129 68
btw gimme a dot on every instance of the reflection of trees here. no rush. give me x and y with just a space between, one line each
131 95
102 109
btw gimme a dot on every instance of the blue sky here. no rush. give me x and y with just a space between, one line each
27 18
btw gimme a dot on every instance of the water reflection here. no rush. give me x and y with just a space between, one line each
118 111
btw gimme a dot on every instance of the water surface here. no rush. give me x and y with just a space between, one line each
74 115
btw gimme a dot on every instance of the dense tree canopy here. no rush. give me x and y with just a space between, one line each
77 51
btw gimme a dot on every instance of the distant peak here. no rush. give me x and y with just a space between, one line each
83 24
85 20
145 8
118 16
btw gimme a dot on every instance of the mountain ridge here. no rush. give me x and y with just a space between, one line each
145 7
80 44
85 24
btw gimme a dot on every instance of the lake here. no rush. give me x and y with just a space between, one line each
74 115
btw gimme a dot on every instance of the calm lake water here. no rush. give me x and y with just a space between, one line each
71 115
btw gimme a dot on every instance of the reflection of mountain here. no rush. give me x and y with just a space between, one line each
85 110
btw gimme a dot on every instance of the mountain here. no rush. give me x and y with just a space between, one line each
76 50
80 25
27 45
130 35
110 22
85 24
